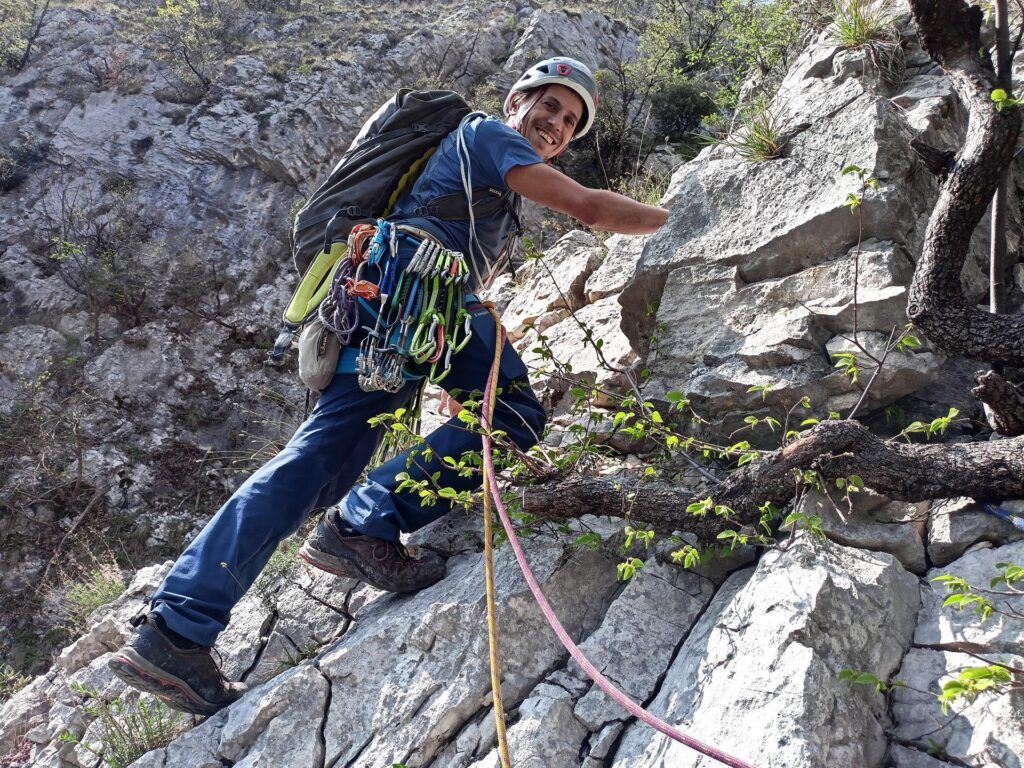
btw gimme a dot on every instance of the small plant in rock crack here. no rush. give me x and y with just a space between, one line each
281 566
128 730
870 26
96 585
860 360
757 134
294 658
991 677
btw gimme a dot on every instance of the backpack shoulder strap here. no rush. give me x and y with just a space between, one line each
486 202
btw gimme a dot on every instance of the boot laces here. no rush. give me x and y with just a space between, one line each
386 549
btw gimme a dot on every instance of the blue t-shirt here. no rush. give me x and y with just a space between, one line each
494 149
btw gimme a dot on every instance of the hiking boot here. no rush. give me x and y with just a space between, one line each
183 678
387 565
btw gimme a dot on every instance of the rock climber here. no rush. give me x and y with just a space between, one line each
169 654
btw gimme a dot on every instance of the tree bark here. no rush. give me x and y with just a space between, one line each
950 32
1004 400
900 471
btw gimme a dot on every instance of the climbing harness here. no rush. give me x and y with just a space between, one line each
491 485
418 311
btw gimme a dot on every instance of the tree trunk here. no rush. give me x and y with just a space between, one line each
950 33
1005 401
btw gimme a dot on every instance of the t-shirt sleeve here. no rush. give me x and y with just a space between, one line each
499 149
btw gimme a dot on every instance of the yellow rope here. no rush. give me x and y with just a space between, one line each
492 611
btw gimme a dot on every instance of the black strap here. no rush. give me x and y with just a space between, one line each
487 201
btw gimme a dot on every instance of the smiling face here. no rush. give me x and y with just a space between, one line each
548 120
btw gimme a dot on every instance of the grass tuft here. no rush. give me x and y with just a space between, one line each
128 730
758 134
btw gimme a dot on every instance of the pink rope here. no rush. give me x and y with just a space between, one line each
592 672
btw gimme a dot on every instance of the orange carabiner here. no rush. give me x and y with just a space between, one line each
358 239
363 289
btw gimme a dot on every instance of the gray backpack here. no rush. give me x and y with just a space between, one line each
381 164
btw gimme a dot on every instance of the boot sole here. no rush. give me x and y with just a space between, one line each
345 568
130 667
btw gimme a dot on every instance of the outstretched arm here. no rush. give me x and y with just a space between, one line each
595 208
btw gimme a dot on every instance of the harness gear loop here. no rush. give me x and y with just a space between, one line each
491 489
421 305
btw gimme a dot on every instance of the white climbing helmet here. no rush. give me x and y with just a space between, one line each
561 70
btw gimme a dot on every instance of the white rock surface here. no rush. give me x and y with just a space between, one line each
754 654
869 521
960 630
554 286
956 524
984 733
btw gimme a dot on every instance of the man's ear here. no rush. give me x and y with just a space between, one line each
515 102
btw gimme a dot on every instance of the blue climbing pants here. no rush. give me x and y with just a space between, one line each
321 462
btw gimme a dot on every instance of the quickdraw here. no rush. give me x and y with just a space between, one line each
422 318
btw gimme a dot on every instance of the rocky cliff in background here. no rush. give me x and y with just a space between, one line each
750 283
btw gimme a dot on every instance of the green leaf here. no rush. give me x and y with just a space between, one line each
588 540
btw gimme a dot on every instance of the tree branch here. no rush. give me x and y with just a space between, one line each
950 32
904 472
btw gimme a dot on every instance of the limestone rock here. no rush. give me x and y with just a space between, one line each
591 37
749 303
984 734
905 757
957 630
554 286
752 655
616 269
638 638
873 523
568 345
278 722
956 524
900 375
27 356
413 669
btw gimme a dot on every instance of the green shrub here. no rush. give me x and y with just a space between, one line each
758 134
862 22
11 681
19 158
100 585
128 730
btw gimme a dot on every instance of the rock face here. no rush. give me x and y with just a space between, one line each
753 282
769 299
747 661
